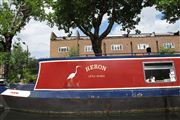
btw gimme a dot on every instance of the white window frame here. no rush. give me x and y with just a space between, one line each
159 72
169 45
88 48
63 49
142 46
115 47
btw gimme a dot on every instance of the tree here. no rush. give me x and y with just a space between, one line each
1 46
17 63
137 31
74 52
170 9
30 71
88 15
2 58
19 69
15 14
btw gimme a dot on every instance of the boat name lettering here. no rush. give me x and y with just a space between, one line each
15 93
95 67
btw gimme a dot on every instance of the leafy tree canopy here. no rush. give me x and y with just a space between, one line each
170 9
88 15
15 14
21 67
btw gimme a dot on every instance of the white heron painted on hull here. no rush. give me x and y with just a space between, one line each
71 76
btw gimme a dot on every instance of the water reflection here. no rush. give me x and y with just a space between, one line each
15 115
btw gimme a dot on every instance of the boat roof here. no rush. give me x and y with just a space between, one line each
109 57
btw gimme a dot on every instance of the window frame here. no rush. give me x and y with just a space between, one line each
60 49
168 45
116 47
139 47
160 68
88 48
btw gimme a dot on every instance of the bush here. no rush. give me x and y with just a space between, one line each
167 50
74 52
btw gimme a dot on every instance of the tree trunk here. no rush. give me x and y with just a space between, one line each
96 45
8 42
7 49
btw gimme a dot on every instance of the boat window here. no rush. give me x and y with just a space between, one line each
157 72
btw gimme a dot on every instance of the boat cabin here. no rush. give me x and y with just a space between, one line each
122 72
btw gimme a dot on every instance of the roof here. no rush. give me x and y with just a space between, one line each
54 37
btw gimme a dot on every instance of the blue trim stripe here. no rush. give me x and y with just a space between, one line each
2 88
108 57
107 93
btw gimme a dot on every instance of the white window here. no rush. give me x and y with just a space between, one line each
63 49
117 47
142 46
168 45
157 72
88 48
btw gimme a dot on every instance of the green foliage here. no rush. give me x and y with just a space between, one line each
1 48
170 9
21 67
74 52
88 15
3 56
137 31
29 76
167 50
17 63
15 14
1 44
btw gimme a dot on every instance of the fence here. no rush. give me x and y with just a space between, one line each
132 54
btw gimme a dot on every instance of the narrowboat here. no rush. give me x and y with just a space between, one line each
101 84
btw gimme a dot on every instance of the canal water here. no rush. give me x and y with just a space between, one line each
15 115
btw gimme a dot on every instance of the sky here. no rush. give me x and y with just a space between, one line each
36 34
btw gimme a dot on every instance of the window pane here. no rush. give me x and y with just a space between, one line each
142 46
159 75
117 47
88 48
168 45
63 49
159 72
157 65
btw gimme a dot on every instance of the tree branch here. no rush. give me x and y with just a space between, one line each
97 21
95 25
85 31
21 17
109 27
15 17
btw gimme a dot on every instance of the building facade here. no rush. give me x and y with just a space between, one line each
115 45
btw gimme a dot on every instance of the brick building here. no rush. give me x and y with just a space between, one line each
115 45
